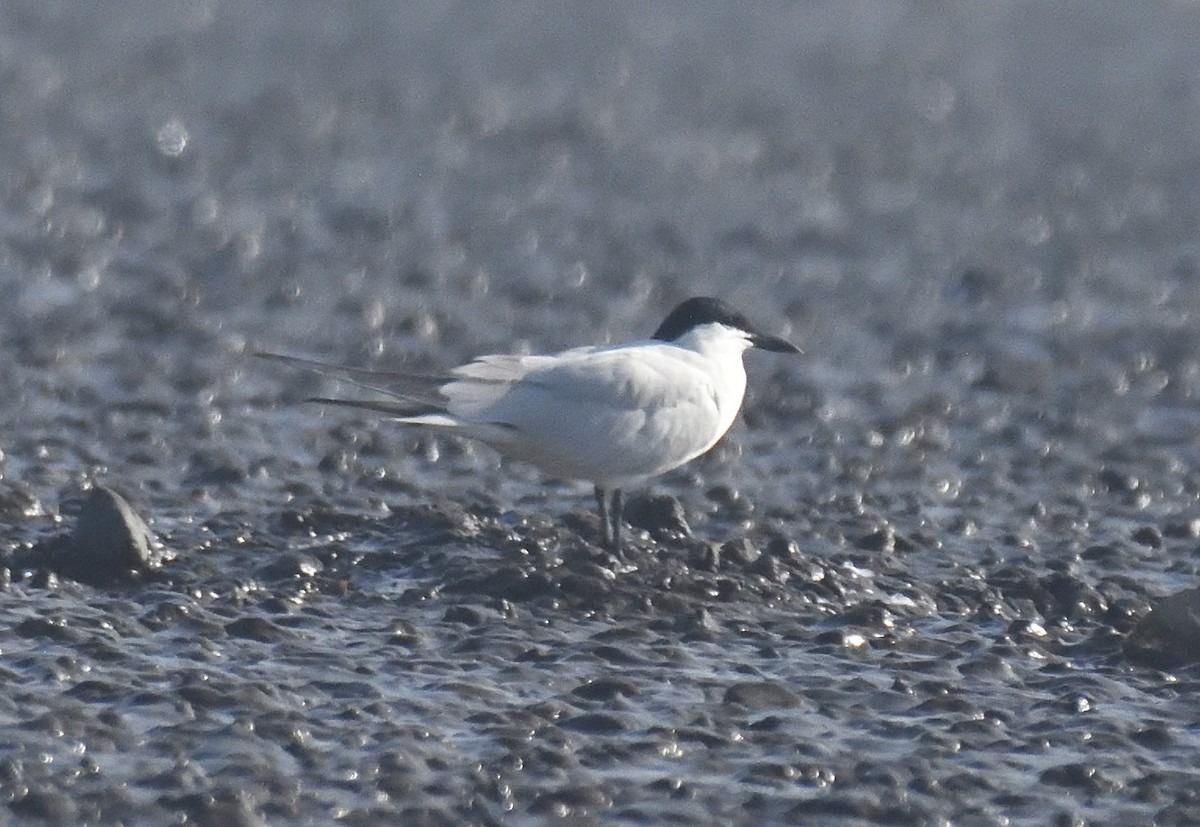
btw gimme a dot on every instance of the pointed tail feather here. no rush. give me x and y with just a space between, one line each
404 411
421 391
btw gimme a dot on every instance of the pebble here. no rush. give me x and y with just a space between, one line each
1169 636
660 514
110 541
760 695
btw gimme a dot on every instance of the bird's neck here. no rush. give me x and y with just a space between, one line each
722 352
717 344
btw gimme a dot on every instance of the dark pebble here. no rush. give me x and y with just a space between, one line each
50 806
616 654
1075 703
1105 555
590 588
257 628
730 589
871 615
882 539
733 504
740 553
706 558
1182 814
358 221
1148 536
676 788
758 695
225 808
468 615
203 696
110 542
699 623
596 723
1183 530
605 689
769 568
723 495
516 584
660 514
1153 737
836 809
291 566
415 817
783 549
97 691
1073 596
834 637
1081 776
17 502
51 629
212 467
403 633
942 704
1118 482
570 801
1169 636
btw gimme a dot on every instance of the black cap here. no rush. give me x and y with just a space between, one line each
701 310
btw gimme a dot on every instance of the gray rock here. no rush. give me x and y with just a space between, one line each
760 695
660 514
110 541
1169 636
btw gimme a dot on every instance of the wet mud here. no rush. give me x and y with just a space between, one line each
914 584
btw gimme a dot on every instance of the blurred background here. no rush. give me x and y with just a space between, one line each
924 194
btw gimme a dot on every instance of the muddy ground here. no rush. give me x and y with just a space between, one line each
899 591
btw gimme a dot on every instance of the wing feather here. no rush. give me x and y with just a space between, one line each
419 388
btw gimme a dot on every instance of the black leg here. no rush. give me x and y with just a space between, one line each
602 505
610 519
617 505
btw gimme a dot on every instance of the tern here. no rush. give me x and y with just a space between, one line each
611 415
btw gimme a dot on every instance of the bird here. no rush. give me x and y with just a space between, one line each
612 415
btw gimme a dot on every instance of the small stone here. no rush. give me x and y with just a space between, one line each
257 628
606 689
290 567
883 539
1169 636
761 695
467 615
595 723
1104 554
1118 482
706 558
17 501
47 806
213 467
660 514
783 549
1084 776
1183 529
769 568
1148 536
110 541
740 552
